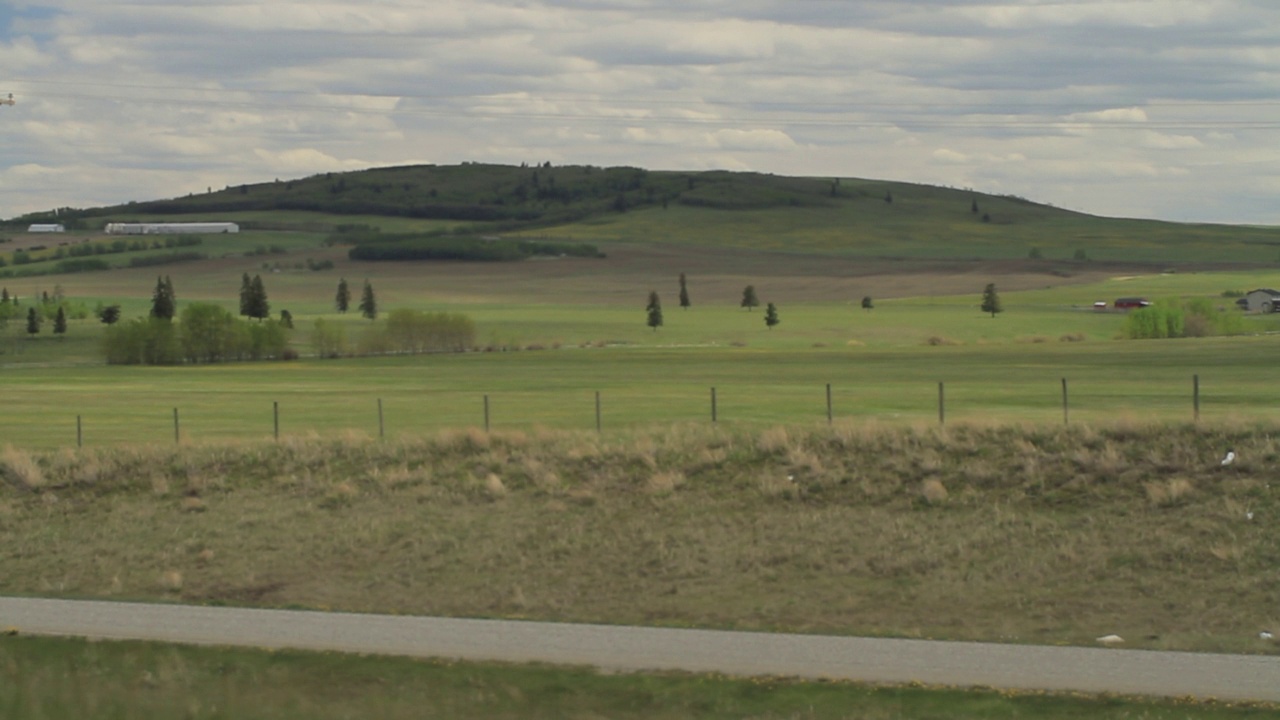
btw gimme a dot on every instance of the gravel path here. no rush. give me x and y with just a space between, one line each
1093 670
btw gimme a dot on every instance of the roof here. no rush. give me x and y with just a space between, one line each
1269 291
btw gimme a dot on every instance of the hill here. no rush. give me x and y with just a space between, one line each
825 216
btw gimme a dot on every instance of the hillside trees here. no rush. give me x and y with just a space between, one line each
368 302
342 301
654 310
329 338
33 322
259 308
163 301
109 314
991 300
204 333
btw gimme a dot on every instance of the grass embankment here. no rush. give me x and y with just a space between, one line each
47 679
980 533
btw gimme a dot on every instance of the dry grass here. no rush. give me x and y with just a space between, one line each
20 467
975 531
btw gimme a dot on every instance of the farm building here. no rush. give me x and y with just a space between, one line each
1262 300
1130 303
46 229
202 228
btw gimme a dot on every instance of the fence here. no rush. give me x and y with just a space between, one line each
485 414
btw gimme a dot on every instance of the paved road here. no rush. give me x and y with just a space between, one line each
1238 677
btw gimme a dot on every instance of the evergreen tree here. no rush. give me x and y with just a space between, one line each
4 295
973 208
60 322
866 302
654 309
163 303
33 322
368 303
991 300
286 319
109 314
684 293
749 299
343 299
258 306
771 315
246 295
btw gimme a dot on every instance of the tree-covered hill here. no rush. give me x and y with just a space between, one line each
586 204
513 194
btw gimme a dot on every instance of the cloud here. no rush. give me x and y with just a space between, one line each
1123 107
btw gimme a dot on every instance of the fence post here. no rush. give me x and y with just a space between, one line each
381 427
1195 393
942 406
486 413
828 403
177 435
79 433
713 406
598 425
1064 401
275 416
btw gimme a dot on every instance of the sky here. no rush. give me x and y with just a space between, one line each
1164 109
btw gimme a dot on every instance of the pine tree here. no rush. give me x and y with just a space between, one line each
771 316
258 306
33 322
654 309
866 302
60 322
368 303
286 319
246 295
749 299
343 299
4 295
163 303
991 300
684 293
109 315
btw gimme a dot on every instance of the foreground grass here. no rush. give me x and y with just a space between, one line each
1001 533
46 679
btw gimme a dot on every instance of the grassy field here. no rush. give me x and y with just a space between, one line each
64 679
974 532
641 387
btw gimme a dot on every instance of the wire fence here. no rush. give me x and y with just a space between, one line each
277 420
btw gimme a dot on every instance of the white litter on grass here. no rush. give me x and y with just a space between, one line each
1230 458
1265 635
1110 639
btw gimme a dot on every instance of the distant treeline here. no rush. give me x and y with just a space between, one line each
371 245
495 196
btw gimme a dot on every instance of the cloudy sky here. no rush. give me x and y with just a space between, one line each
1135 108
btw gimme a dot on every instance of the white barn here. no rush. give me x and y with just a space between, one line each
200 228
42 228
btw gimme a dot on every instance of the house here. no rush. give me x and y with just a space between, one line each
1262 300
1131 303
46 229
